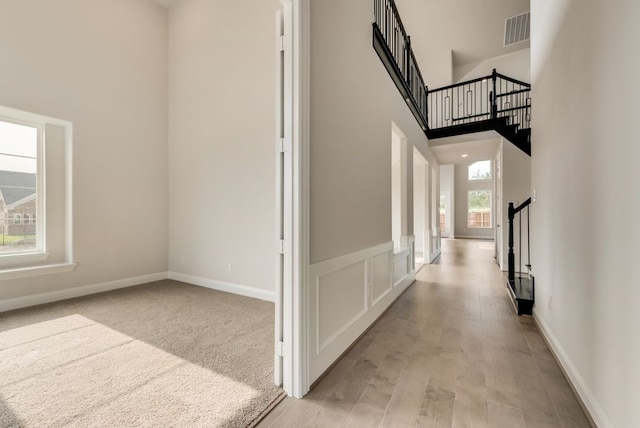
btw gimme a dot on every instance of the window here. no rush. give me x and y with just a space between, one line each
479 209
20 143
480 171
31 144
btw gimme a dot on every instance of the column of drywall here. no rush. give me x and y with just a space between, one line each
584 173
221 143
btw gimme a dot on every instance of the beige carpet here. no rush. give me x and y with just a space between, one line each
162 354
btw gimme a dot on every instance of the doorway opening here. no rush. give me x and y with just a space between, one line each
420 209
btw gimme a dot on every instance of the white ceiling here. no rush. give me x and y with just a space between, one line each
475 150
472 29
167 3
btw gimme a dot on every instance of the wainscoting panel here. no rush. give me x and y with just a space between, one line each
381 277
350 283
346 295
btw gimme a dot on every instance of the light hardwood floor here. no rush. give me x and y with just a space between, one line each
450 352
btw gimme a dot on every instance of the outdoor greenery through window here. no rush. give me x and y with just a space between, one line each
18 190
480 171
479 209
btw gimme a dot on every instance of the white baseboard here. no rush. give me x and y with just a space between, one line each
590 404
435 256
484 238
242 290
70 293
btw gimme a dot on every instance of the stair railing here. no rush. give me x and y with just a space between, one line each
489 97
391 37
512 213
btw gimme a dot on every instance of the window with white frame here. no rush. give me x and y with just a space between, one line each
28 246
480 171
479 209
20 143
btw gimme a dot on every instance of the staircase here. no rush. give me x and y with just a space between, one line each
521 285
490 103
495 102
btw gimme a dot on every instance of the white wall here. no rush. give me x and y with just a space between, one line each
516 65
221 142
353 104
354 274
462 187
102 65
584 171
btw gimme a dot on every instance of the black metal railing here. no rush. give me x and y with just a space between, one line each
389 28
502 103
519 211
489 97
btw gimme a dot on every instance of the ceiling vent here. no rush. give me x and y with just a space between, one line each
517 29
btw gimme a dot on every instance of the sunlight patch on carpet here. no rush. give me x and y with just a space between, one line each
75 371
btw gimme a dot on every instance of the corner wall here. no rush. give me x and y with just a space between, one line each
222 144
102 66
584 171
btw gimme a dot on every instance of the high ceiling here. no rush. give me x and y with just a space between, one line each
167 3
474 151
472 29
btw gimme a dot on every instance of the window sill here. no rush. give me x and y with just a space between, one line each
9 261
26 272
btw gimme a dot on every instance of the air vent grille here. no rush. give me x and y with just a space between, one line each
517 29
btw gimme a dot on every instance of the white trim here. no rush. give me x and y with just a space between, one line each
27 272
322 352
227 287
69 293
295 297
591 405
21 259
435 255
281 54
340 262
482 238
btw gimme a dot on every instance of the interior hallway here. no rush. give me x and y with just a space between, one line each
449 352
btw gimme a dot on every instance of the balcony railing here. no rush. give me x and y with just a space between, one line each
489 97
391 40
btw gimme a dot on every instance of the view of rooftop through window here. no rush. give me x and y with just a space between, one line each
18 177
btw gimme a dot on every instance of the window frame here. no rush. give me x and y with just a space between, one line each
490 226
54 204
480 180
39 253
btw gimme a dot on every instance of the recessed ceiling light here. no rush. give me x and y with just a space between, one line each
465 155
